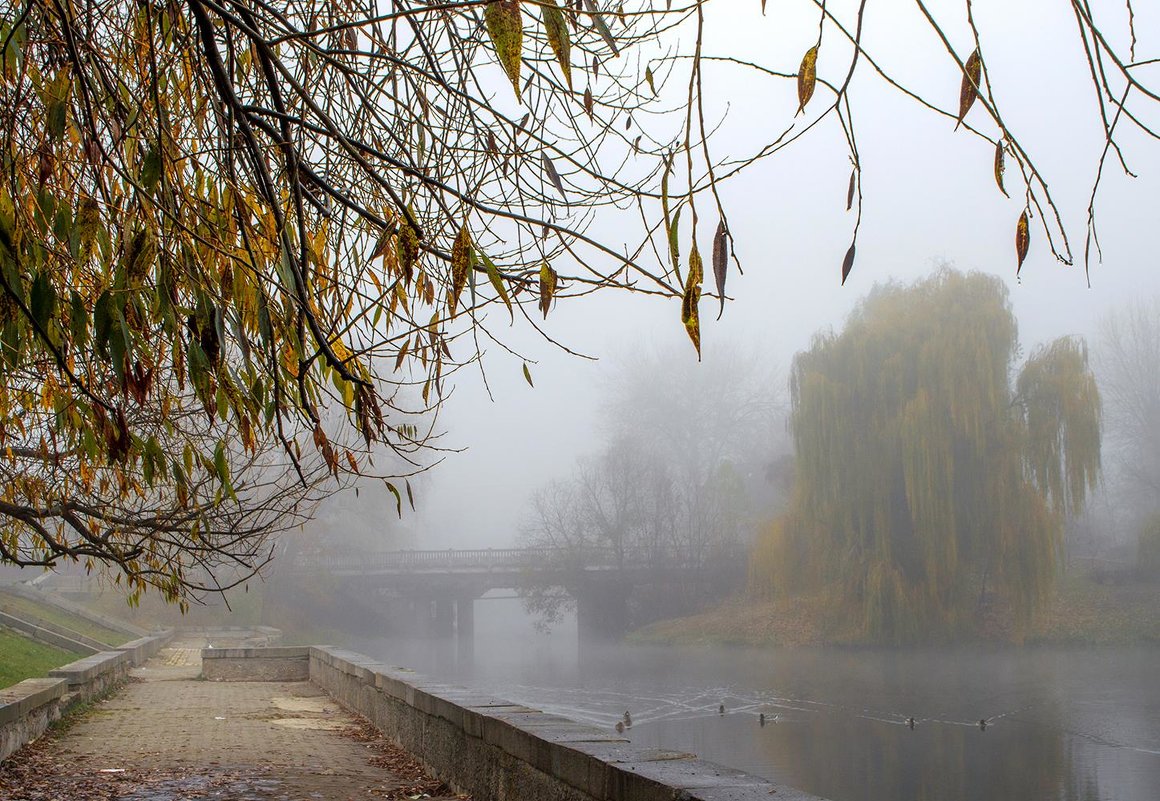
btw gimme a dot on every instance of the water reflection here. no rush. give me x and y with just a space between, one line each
1062 725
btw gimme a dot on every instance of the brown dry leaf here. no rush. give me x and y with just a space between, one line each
972 73
1000 166
720 262
847 263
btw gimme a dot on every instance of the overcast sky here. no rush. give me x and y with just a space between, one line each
929 198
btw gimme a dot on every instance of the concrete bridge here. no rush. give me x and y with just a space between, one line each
439 588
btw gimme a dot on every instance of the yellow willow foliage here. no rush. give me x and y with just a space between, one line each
924 477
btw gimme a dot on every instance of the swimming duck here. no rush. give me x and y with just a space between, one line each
627 720
721 709
619 727
761 719
983 724
910 723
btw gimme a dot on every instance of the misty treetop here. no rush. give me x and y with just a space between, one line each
925 477
243 245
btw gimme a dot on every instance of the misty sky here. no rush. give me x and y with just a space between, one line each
929 198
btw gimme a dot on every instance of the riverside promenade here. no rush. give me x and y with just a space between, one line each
168 735
274 723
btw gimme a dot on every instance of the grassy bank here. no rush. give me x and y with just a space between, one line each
23 658
25 608
1081 612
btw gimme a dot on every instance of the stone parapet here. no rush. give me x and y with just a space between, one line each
256 664
144 648
493 748
27 709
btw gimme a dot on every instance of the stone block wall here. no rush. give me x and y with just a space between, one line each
256 664
498 750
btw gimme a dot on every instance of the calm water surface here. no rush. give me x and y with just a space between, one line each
1062 724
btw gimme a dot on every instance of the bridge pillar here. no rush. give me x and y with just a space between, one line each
444 617
601 610
465 618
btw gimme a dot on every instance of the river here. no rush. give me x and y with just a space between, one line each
1062 724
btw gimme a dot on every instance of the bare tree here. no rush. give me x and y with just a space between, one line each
1128 368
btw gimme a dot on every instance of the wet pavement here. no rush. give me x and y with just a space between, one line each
170 736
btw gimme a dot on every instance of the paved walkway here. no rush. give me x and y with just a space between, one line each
169 736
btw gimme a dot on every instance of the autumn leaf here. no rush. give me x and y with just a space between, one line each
850 189
650 80
528 376
1022 240
601 27
674 243
407 251
553 176
556 29
506 28
1000 166
398 498
720 262
548 279
848 264
497 282
588 103
972 73
692 297
807 78
88 223
460 266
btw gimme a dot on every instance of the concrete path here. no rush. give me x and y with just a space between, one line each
169 736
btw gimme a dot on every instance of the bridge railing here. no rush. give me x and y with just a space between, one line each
476 559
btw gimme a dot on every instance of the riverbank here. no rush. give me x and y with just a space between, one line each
1081 612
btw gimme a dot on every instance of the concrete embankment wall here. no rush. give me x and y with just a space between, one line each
492 748
28 708
53 635
41 597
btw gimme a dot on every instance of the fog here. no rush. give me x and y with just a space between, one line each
930 201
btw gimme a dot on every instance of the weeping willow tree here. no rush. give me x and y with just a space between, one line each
925 477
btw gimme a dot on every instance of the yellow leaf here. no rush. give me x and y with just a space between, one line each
497 282
548 279
460 265
692 297
1022 240
506 29
560 41
807 77
407 251
88 222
